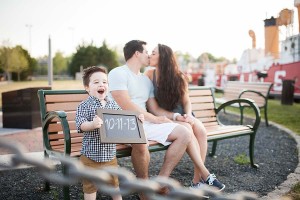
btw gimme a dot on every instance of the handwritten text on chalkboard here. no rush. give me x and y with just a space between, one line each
121 126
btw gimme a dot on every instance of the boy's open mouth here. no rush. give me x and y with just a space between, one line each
101 91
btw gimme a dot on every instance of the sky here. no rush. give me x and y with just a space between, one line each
219 27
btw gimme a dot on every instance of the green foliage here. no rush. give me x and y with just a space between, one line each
92 56
17 61
60 64
294 193
32 65
208 57
107 57
242 159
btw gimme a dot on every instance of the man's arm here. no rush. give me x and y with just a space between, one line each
124 101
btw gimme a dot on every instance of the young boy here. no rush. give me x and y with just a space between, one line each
94 153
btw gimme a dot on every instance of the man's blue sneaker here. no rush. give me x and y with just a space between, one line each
213 181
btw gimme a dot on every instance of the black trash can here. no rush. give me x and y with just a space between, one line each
201 81
287 94
21 108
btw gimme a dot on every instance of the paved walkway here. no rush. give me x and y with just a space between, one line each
32 139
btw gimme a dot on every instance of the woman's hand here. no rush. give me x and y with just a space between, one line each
162 119
189 119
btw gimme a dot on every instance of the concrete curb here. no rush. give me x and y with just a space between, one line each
292 178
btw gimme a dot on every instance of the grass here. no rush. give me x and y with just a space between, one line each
294 193
285 115
242 159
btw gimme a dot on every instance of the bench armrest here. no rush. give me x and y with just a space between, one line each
252 91
249 103
61 115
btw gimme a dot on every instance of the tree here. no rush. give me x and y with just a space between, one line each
59 64
18 61
5 61
107 57
85 56
92 56
210 58
32 65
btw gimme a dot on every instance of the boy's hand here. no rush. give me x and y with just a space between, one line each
97 122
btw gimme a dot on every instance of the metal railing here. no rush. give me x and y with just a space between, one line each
129 184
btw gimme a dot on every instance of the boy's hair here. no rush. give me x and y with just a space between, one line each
131 47
87 73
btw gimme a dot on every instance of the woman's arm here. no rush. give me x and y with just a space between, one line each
124 101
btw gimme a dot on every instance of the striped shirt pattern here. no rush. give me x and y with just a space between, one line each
91 144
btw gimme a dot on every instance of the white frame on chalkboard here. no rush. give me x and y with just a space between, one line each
141 139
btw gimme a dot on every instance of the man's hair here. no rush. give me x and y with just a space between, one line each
87 73
131 47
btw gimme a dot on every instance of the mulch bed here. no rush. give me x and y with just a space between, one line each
275 152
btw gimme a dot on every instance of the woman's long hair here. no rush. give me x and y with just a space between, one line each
171 81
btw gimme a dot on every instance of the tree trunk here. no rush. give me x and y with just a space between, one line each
8 75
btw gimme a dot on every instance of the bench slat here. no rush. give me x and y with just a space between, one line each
56 98
61 141
69 106
61 136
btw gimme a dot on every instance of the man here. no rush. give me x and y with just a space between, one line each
132 90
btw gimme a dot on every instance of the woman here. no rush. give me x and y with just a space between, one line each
171 93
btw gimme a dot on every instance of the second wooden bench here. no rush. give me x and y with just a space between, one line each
257 91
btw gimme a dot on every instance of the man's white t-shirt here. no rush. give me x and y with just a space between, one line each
140 89
139 86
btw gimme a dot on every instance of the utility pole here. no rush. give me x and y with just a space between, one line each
50 65
29 26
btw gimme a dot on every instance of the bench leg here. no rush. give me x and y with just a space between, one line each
251 151
242 114
266 116
66 188
213 149
47 183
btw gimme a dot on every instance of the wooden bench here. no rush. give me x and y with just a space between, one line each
60 137
257 91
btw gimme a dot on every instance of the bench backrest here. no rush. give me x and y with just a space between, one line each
233 89
61 100
203 106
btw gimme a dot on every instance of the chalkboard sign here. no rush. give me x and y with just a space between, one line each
121 126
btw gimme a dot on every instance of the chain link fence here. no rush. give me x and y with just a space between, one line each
129 184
